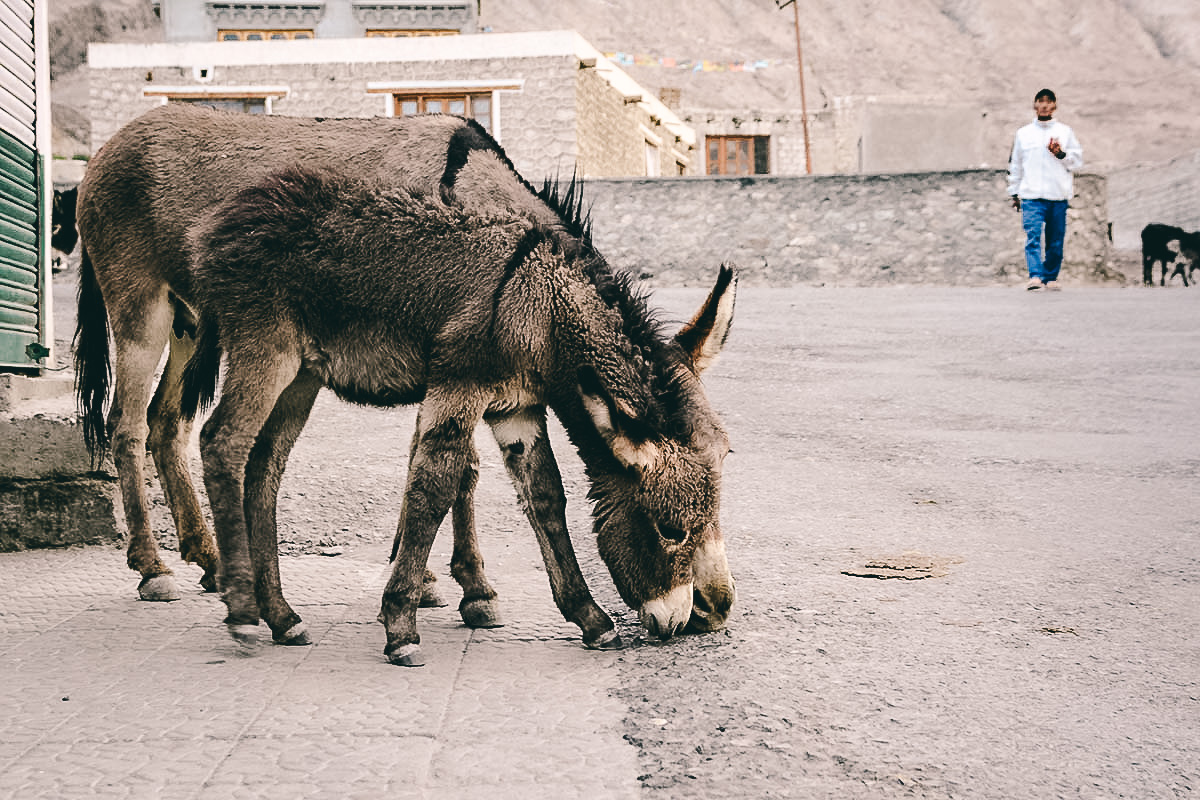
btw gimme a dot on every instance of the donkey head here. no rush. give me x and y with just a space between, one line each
657 508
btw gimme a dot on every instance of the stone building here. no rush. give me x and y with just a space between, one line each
853 135
553 101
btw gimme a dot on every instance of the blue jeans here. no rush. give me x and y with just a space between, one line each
1049 216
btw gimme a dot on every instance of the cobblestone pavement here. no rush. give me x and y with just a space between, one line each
965 529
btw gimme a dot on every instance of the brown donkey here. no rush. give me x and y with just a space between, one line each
413 265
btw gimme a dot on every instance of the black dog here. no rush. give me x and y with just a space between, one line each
1155 238
62 224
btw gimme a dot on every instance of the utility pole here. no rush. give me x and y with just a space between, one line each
800 66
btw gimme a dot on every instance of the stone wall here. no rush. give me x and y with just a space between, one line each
49 494
938 228
1168 193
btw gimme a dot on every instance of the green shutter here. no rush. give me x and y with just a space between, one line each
21 200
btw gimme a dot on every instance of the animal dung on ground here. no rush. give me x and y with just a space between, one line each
909 566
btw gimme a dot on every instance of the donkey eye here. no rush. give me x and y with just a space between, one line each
672 533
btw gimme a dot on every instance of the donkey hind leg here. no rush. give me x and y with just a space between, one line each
478 607
169 435
139 341
263 474
255 378
446 425
530 462
431 596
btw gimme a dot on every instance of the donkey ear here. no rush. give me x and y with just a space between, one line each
703 337
606 414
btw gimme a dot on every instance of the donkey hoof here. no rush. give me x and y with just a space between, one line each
159 589
609 640
431 597
480 614
245 638
294 636
407 655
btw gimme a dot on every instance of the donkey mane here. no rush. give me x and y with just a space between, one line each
646 344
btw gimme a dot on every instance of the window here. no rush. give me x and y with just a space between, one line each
474 99
244 105
738 155
653 165
242 99
473 105
392 34
261 35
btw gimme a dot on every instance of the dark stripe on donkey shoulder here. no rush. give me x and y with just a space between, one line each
464 141
532 239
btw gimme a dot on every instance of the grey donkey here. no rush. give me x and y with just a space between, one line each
410 264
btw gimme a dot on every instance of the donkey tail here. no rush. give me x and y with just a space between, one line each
200 374
93 370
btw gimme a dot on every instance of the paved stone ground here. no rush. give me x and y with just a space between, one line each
1030 461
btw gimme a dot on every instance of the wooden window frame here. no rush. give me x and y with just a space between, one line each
759 162
267 34
404 33
396 92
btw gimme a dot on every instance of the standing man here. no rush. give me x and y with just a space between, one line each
1044 155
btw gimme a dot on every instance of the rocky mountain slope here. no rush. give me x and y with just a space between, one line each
1127 72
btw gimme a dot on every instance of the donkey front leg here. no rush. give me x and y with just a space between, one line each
254 380
530 461
478 607
431 596
263 474
443 448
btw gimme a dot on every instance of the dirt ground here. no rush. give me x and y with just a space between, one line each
964 528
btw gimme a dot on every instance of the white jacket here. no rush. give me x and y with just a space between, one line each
1034 173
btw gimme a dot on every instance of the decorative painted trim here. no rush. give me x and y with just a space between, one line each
266 15
457 16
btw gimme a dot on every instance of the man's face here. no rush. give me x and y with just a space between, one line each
1044 107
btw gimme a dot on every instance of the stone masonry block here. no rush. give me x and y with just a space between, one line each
57 513
40 435
49 496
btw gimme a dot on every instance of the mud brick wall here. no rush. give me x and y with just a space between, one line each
936 228
1168 193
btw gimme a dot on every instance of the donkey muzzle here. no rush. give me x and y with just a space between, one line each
665 616
715 592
